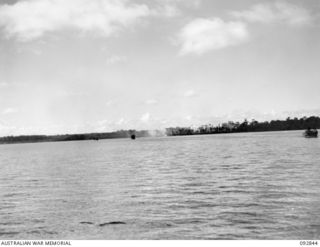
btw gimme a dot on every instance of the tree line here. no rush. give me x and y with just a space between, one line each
229 127
246 126
73 137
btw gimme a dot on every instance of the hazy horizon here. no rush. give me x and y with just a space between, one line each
83 66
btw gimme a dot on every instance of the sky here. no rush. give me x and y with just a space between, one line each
82 66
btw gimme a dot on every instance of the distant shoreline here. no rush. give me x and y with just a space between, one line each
113 138
246 126
72 137
225 128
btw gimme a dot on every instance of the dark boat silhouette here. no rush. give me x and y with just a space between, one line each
133 137
311 133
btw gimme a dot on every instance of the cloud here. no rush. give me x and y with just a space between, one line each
64 93
121 121
151 102
145 117
173 8
167 10
116 59
4 84
278 12
9 110
189 4
109 103
203 35
189 93
28 20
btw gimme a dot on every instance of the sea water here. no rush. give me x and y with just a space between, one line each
229 186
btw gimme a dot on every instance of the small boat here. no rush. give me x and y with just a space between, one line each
133 137
311 133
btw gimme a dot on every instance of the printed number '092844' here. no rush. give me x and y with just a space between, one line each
308 242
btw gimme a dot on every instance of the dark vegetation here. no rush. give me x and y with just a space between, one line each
230 127
73 137
246 126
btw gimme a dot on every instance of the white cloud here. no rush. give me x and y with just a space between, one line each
189 4
203 35
109 103
151 102
145 117
9 110
121 121
27 20
275 12
4 84
167 10
103 122
173 8
64 93
116 59
189 93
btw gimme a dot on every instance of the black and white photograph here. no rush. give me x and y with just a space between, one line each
159 120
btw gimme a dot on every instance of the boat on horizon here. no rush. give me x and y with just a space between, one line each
311 133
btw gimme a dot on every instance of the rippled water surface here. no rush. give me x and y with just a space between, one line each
236 186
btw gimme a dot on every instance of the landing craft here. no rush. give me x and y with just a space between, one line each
309 133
